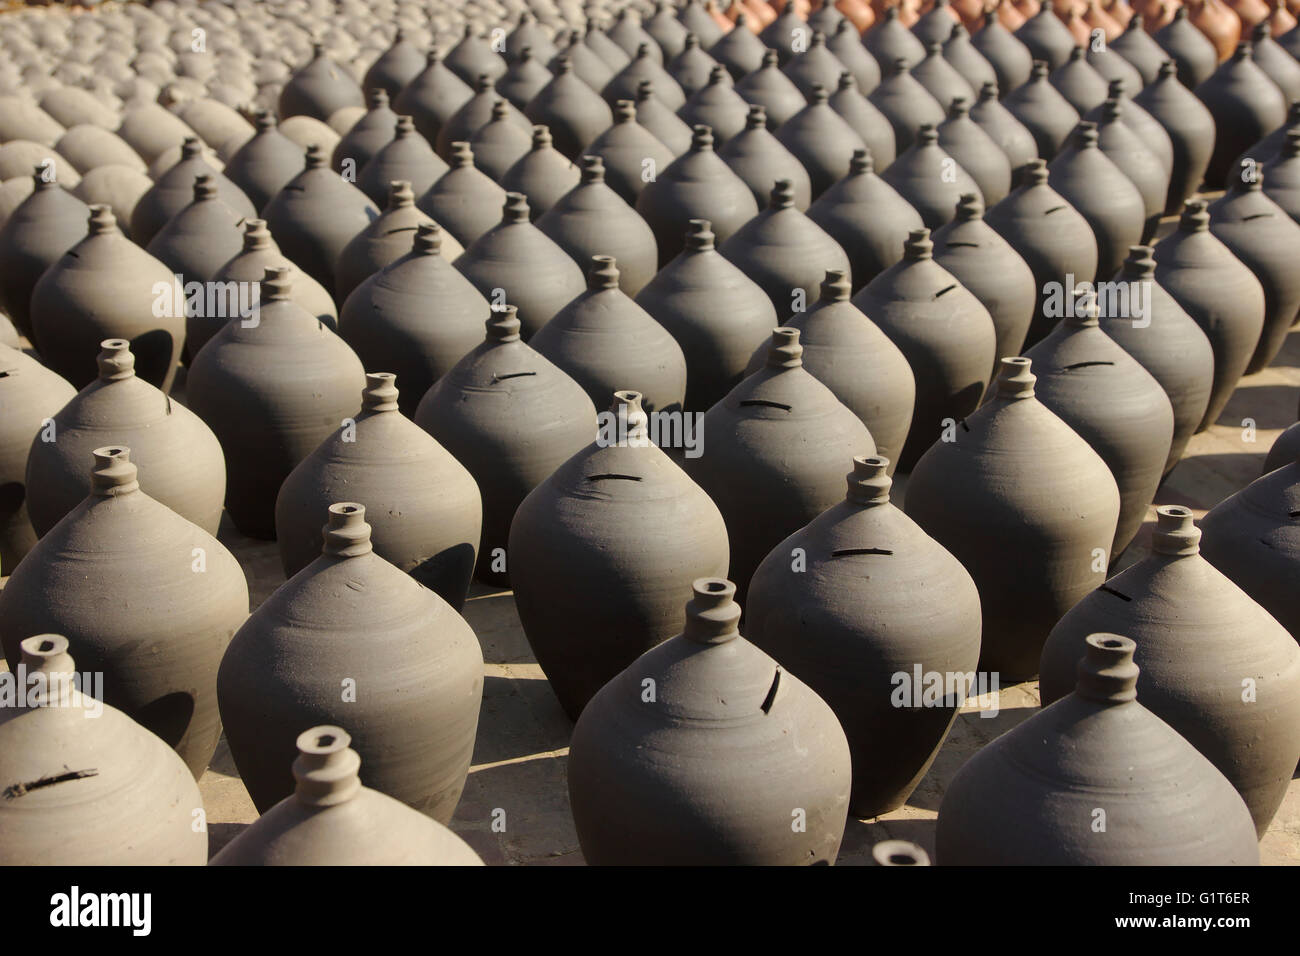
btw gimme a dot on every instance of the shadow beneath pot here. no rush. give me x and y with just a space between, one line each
861 835
492 614
220 834
520 718
1268 406
518 812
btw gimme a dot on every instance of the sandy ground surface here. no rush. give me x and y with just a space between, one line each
522 749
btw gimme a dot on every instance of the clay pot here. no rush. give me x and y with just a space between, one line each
758 158
849 625
780 34
1043 111
432 515
267 162
871 125
626 31
181 458
433 97
890 40
201 238
118 187
850 355
1097 189
286 663
1112 403
1246 106
1030 797
523 79
594 56
174 190
107 287
1082 86
700 22
773 445
935 24
845 44
158 651
1219 292
940 78
1165 340
319 89
1219 24
418 316
1282 182
643 67
683 297
929 179
44 226
740 51
984 497
991 270
332 820
698 184
665 29
397 66
1278 65
591 219
571 109
963 57
511 418
272 388
771 89
1133 148
465 200
722 777
1191 129
1009 57
868 219
143 796
316 215
784 251
1012 136
1047 37
384 241
474 56
1052 237
1176 606
247 268
529 33
542 174
905 103
691 68
602 338
524 264
814 66
473 114
595 578
945 333
1137 47
1251 537
821 140
718 106
406 157
1259 233
1187 46
31 396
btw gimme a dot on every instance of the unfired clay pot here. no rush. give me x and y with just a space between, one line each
150 599
703 771
44 226
465 201
350 634
511 418
1033 796
984 496
385 240
143 798
854 604
604 550
1234 701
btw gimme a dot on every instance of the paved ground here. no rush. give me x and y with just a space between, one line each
521 754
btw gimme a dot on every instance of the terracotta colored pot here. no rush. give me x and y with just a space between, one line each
159 650
629 574
1031 796
990 485
855 623
721 779
1220 25
143 796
